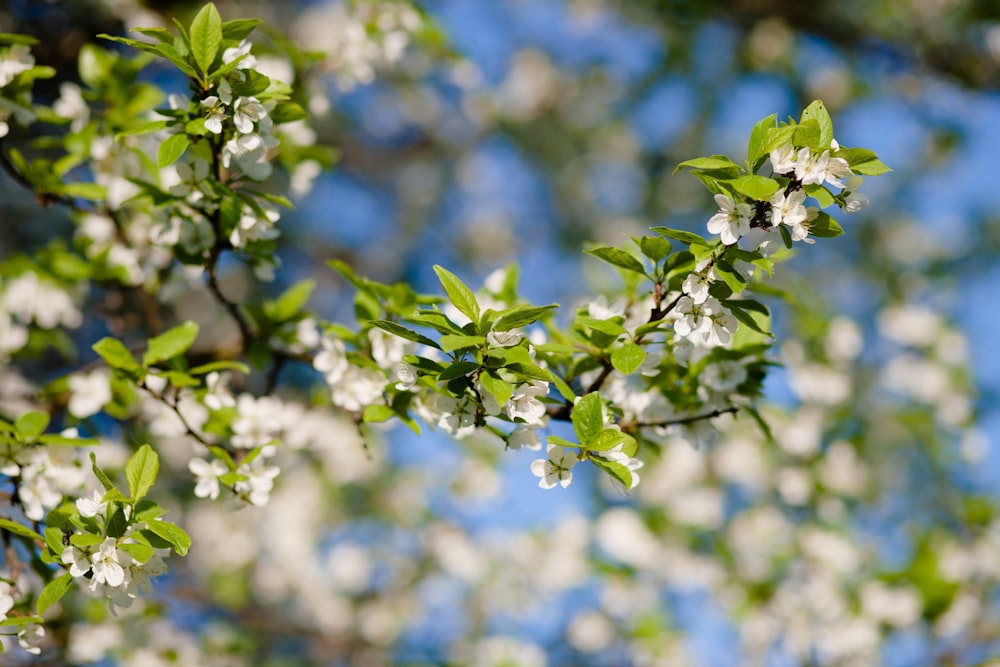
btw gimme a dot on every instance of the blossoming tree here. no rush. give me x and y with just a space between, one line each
211 452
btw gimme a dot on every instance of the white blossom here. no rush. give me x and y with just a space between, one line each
207 475
93 505
29 638
331 360
526 402
107 564
89 393
17 59
524 436
556 468
258 421
732 221
504 338
358 388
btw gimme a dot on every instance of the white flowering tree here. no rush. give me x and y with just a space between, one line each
198 469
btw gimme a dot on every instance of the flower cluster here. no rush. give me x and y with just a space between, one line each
118 568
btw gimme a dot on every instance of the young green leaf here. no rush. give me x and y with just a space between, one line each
30 425
457 370
460 295
116 355
685 237
713 162
450 343
171 149
291 301
170 343
588 416
101 477
817 111
17 529
206 36
520 316
606 439
173 534
616 470
755 187
758 137
141 471
500 389
824 226
53 592
404 333
618 257
238 29
377 413
654 247
628 358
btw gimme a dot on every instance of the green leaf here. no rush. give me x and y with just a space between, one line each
173 534
84 540
140 471
113 496
18 529
460 295
139 552
562 442
404 333
807 133
170 343
30 425
745 318
88 191
713 162
101 477
618 257
206 36
223 365
606 439
817 111
116 355
862 161
612 327
159 34
500 389
57 440
171 149
238 29
736 282
423 364
654 247
450 342
145 128
291 301
520 316
824 226
778 137
758 137
755 187
287 112
820 194
11 38
588 416
377 413
628 358
21 620
687 238
616 470
457 370
434 319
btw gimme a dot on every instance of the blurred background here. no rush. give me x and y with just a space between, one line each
476 133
